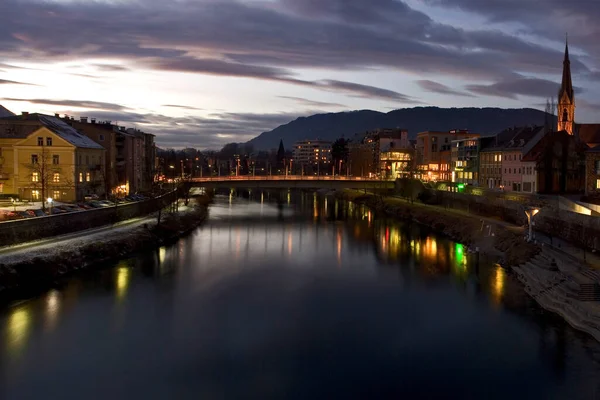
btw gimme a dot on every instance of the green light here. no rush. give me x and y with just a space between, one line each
459 250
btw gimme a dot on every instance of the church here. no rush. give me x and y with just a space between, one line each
568 160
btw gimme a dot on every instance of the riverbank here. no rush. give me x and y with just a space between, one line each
494 238
556 282
39 264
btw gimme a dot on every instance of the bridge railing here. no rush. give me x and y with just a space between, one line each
289 178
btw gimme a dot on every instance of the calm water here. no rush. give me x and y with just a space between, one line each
321 300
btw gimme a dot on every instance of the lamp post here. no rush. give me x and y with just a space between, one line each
531 212
172 168
49 200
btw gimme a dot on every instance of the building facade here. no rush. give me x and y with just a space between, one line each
464 156
313 156
433 152
592 172
45 158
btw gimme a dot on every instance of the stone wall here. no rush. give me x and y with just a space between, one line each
14 232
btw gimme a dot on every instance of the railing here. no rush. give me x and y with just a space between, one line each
290 178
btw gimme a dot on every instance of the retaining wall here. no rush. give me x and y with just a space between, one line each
13 232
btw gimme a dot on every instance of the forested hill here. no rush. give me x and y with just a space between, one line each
485 121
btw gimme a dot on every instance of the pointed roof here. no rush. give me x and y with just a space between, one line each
5 112
567 84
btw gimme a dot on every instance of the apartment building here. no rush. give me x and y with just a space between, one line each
434 156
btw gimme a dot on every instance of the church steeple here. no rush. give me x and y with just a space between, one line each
566 96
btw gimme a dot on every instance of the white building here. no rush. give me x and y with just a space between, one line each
312 152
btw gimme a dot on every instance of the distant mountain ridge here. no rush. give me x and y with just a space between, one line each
485 121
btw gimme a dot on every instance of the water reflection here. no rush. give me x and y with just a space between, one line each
18 328
119 308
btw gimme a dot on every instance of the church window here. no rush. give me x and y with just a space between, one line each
565 115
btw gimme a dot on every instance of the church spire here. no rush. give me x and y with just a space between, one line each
566 96
566 86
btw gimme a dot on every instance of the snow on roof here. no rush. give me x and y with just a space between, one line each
5 112
68 133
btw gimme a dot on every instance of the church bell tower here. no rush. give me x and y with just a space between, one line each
566 97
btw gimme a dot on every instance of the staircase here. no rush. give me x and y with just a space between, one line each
589 292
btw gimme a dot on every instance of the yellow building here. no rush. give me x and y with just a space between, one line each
42 157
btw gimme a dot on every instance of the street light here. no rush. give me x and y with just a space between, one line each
531 212
49 200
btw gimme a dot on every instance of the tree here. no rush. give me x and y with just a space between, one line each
281 155
46 175
549 122
339 153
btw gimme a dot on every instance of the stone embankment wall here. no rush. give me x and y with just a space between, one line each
25 230
461 227
41 271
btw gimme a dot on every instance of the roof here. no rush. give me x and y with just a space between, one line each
566 85
5 112
24 125
588 133
522 137
539 147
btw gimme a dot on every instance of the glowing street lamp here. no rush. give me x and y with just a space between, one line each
531 212
49 200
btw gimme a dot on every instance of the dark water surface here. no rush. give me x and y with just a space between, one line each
322 300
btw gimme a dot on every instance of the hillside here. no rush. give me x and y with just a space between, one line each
485 121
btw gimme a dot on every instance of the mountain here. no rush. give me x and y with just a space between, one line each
485 121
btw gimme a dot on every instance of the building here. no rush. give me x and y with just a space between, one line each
566 98
130 164
4 112
592 172
43 157
464 155
513 166
434 153
381 152
559 158
313 156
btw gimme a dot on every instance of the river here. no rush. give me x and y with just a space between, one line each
315 299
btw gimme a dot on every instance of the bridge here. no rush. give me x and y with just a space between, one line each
292 182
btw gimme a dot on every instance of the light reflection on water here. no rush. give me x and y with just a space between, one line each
150 301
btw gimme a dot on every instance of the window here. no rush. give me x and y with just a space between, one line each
597 183
101 138
1 187
519 170
35 194
56 177
48 141
56 194
35 177
34 159
81 177
40 141
55 159
504 170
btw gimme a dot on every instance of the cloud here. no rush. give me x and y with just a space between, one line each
181 107
275 36
110 67
312 103
511 89
7 82
436 87
96 105
364 91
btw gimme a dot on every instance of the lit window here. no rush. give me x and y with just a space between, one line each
35 194
55 159
48 141
597 183
87 176
56 194
56 177
35 177
81 177
40 141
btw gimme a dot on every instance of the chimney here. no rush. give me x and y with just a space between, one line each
24 113
57 115
72 118
83 120
66 116
93 120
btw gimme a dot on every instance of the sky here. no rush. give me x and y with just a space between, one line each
203 73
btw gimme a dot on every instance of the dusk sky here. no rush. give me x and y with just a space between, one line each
203 73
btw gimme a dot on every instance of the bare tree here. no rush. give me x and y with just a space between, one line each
44 171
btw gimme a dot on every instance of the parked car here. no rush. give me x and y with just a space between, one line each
106 203
91 197
38 212
94 204
85 206
12 215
